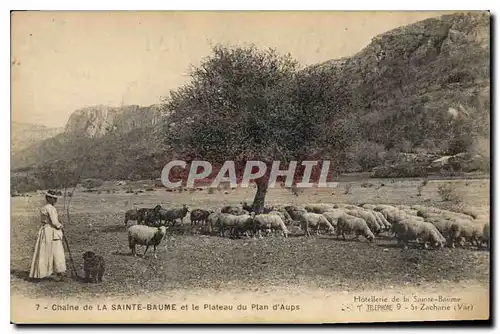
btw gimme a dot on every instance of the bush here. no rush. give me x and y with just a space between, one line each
347 188
211 190
449 193
92 183
364 155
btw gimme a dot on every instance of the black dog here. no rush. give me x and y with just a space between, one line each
93 266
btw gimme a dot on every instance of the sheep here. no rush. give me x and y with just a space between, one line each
295 212
271 221
445 227
199 216
287 218
425 232
152 218
177 213
131 214
318 208
212 220
314 220
146 236
142 214
246 207
348 224
243 224
368 206
333 216
381 220
368 217
468 231
278 213
432 210
234 223
230 209
380 207
345 206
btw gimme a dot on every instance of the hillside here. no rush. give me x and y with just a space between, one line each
418 89
24 135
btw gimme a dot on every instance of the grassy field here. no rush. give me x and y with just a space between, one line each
194 261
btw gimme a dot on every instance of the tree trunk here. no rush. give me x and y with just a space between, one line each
260 195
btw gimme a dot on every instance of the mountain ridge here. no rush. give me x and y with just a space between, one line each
424 87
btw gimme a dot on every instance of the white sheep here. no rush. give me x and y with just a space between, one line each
314 220
271 221
421 231
318 207
146 236
353 225
368 217
333 216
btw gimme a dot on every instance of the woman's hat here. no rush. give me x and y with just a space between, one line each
51 193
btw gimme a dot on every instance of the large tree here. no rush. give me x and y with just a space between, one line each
241 104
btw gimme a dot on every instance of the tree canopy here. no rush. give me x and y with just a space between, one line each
241 104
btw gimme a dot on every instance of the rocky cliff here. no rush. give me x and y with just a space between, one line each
421 88
97 121
427 83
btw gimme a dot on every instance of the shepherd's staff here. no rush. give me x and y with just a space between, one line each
75 273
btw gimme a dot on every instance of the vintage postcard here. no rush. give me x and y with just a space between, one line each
180 167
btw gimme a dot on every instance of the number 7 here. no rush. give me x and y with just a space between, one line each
37 306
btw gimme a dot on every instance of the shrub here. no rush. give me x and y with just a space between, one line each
449 193
92 183
347 188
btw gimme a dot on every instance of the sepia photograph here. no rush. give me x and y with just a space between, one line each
250 167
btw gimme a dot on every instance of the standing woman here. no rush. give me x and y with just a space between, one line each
48 257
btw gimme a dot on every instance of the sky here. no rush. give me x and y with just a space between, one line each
63 61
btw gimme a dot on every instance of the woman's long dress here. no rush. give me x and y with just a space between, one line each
48 257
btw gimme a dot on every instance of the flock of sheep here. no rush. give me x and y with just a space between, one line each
430 226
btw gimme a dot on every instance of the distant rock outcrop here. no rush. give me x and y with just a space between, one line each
24 135
97 121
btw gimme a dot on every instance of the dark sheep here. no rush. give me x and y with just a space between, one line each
199 216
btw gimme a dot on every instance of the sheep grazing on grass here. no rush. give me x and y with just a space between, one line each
234 223
333 216
212 220
315 220
145 236
348 225
131 214
177 213
199 216
318 208
295 212
144 214
368 206
345 206
445 227
272 222
234 210
153 218
429 210
469 231
382 221
415 230
368 217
